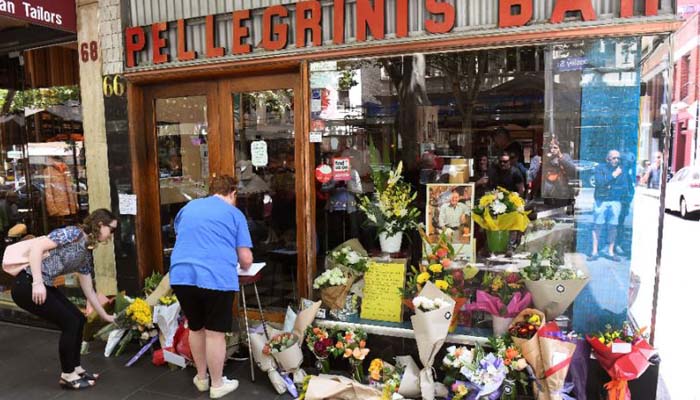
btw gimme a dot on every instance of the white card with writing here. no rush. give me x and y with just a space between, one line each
258 153
127 204
621 348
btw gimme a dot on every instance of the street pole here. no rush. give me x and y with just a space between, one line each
668 79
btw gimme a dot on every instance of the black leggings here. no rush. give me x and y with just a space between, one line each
58 310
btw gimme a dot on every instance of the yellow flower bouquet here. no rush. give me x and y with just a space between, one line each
501 210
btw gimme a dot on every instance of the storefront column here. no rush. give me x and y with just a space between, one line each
95 134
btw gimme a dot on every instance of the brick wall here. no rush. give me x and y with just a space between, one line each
111 37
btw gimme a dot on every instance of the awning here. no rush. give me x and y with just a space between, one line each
55 14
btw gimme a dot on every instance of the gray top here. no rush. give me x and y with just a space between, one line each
71 254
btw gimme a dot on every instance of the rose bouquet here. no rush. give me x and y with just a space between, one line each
624 354
320 342
554 281
501 210
334 285
390 208
352 345
501 296
285 349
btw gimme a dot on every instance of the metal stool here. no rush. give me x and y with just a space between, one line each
242 282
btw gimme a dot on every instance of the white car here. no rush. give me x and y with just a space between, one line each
683 192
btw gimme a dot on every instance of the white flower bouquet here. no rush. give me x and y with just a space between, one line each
334 285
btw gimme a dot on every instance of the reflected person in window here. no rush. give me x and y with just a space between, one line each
506 176
69 251
212 239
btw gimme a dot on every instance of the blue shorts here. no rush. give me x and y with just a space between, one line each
606 211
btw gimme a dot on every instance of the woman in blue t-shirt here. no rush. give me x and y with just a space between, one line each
69 250
212 239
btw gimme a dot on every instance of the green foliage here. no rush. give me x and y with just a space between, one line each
151 283
347 80
40 98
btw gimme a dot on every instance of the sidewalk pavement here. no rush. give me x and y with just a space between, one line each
29 369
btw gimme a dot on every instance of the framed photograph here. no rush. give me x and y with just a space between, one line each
449 211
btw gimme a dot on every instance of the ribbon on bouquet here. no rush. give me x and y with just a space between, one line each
617 389
143 350
289 383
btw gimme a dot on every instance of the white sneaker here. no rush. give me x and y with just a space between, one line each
202 385
228 386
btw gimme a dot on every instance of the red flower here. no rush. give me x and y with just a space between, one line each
442 252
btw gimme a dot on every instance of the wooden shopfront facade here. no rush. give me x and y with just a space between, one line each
206 82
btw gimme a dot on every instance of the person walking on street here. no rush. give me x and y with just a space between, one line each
69 250
212 239
611 185
652 178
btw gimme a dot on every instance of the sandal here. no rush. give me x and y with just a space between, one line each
89 376
78 384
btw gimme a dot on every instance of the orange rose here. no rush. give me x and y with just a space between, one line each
362 344
446 262
339 345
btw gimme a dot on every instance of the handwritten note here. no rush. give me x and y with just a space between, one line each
382 296
258 153
127 204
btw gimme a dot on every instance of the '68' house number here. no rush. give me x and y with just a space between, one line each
88 51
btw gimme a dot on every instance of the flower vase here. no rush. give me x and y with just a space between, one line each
356 370
322 364
497 241
501 324
390 244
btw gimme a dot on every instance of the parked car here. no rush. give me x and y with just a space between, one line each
683 192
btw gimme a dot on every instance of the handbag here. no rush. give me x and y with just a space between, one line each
16 257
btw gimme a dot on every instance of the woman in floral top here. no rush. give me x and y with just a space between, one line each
64 251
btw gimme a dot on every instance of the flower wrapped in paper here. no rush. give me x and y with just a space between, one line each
286 350
324 387
334 285
501 210
481 377
431 330
555 282
624 354
350 257
501 295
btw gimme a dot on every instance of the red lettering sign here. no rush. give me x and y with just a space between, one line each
401 18
159 42
210 27
270 30
440 8
339 22
182 53
561 7
506 18
240 32
312 22
56 14
372 17
135 42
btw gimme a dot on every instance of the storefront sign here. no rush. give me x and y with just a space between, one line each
57 14
324 173
341 169
305 19
381 299
258 153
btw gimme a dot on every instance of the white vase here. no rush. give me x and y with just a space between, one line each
500 325
390 244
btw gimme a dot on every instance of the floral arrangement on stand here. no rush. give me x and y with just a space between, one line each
499 212
385 376
479 374
390 208
352 345
624 354
334 285
501 296
284 348
320 342
554 281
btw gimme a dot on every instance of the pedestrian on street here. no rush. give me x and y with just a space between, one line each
69 250
652 177
611 184
212 239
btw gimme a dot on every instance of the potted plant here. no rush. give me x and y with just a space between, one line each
499 212
390 208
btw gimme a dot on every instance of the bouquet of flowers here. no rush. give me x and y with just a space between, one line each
425 304
554 281
285 349
320 342
165 315
334 285
624 354
501 296
352 345
350 257
482 378
431 329
514 361
501 210
419 277
385 376
390 207
455 359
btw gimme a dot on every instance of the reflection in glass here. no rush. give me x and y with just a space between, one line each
265 156
183 159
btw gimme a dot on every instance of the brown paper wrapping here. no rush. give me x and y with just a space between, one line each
353 244
304 319
334 297
331 387
548 348
530 348
554 297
